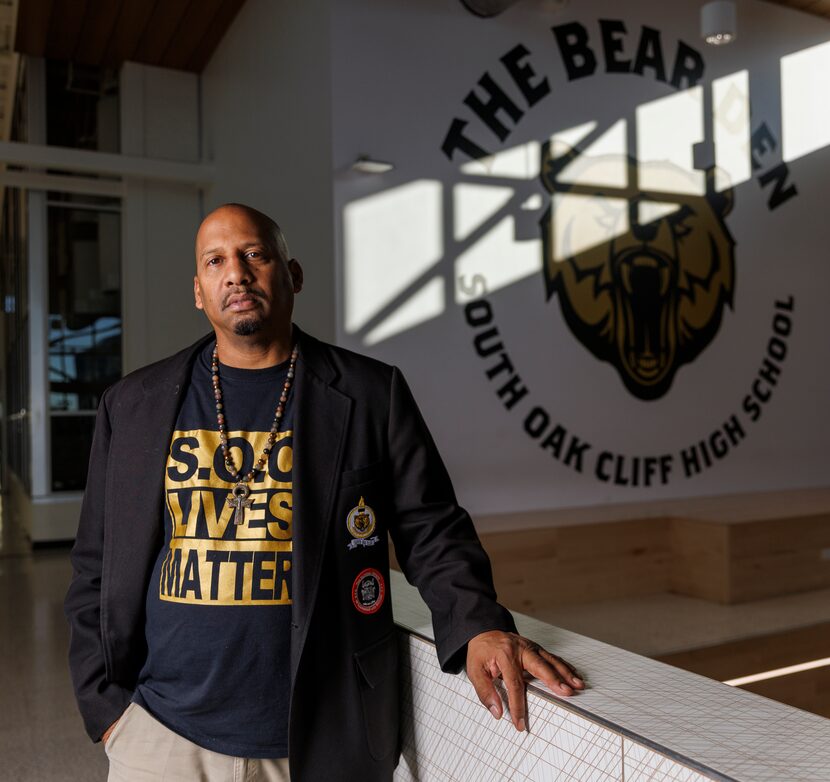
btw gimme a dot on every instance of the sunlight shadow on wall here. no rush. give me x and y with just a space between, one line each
667 131
426 303
567 196
391 239
805 108
730 106
521 162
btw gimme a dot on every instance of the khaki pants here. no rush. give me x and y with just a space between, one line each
141 749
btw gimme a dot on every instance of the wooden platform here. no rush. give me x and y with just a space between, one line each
723 586
808 689
727 549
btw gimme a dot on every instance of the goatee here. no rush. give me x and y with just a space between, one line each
247 327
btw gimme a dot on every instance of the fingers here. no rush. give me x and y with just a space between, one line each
534 663
108 733
511 674
482 681
565 670
494 654
507 667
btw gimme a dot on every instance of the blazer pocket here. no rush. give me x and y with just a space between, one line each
377 680
360 475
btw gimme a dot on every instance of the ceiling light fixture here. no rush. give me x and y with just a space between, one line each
366 165
490 8
487 8
718 22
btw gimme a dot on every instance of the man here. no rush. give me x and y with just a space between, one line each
230 604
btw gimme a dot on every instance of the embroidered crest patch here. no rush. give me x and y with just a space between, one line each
361 520
368 591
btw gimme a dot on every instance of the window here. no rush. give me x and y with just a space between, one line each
84 333
82 105
16 317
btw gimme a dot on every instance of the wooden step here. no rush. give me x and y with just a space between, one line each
727 549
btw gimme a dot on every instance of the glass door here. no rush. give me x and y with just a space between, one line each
84 326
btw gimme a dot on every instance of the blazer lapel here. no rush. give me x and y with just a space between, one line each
162 399
153 421
321 417
134 498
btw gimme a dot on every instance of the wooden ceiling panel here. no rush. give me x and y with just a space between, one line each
32 26
215 32
132 21
815 7
193 26
64 29
180 34
160 31
96 32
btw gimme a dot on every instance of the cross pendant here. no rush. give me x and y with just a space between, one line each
239 500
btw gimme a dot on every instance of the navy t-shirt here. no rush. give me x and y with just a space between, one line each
219 602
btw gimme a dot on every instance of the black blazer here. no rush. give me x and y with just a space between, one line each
357 432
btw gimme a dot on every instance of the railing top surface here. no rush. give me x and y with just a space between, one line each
700 722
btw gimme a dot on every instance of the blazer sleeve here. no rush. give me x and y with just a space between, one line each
101 702
435 540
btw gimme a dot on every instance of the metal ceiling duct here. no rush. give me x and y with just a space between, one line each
487 8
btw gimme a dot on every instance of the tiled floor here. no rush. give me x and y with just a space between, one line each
41 734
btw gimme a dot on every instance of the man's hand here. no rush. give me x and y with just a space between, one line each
497 654
107 733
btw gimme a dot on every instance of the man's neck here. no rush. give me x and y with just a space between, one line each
252 353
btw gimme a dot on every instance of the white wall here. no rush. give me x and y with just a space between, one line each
159 119
296 91
267 127
400 73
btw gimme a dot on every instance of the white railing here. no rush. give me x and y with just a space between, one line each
638 720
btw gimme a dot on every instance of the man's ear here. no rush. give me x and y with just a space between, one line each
197 294
296 272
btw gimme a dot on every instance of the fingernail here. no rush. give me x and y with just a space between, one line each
522 725
578 682
494 711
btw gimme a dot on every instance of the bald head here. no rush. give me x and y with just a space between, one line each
267 226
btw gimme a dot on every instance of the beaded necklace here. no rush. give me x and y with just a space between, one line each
239 493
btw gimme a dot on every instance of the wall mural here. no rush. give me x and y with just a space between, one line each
597 257
637 253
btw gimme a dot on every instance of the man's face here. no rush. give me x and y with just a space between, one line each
241 283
